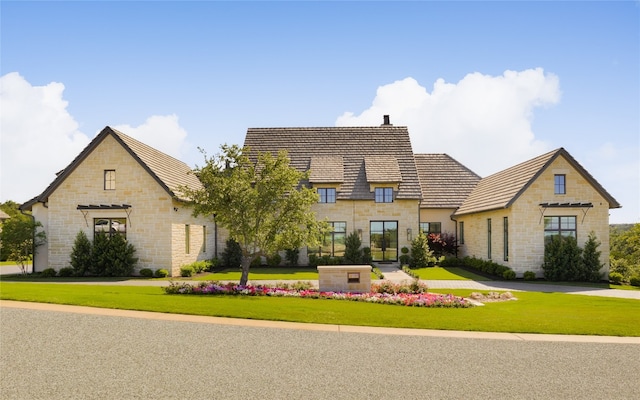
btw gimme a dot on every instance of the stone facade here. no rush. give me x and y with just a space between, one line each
525 218
344 278
155 221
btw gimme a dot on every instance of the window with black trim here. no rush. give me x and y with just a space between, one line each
384 195
431 227
327 195
505 238
110 226
560 226
187 238
559 184
489 238
334 242
109 179
461 232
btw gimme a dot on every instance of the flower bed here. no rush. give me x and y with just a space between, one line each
399 296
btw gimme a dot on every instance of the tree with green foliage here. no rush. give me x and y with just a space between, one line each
99 254
591 264
21 237
421 255
353 252
260 201
625 250
81 256
121 259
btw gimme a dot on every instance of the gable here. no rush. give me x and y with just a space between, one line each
502 189
169 173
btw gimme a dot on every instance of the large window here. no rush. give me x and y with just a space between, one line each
489 238
559 184
559 226
110 226
384 195
333 243
384 240
431 227
505 237
109 179
327 195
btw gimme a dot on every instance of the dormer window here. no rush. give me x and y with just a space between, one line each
384 195
559 184
109 179
327 195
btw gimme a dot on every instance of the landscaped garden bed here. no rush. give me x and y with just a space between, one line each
414 294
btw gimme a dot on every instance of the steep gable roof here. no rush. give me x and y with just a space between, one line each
327 169
503 188
352 144
169 172
445 182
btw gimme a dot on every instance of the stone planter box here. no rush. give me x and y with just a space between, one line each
344 278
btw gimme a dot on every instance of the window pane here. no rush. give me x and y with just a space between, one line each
339 226
568 222
559 184
331 195
551 223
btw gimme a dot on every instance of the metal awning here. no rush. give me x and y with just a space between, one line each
104 207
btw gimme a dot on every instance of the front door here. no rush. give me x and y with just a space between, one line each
384 240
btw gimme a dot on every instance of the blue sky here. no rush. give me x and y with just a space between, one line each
490 83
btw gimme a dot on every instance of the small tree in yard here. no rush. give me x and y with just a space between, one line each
21 237
260 202
591 260
353 252
421 254
81 254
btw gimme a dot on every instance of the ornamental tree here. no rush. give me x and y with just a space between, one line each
21 237
259 200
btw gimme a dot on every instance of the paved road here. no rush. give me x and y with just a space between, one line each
62 355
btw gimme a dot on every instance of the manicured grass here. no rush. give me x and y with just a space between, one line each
553 313
453 274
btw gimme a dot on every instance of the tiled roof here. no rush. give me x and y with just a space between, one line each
501 189
382 169
352 144
327 169
169 172
445 182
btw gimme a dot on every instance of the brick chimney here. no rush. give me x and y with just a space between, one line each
386 121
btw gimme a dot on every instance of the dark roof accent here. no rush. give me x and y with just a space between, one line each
103 207
566 205
445 182
350 143
170 173
503 188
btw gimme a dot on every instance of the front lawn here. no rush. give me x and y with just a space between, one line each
551 313
447 274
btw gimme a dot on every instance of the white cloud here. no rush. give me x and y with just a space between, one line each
39 137
483 121
161 132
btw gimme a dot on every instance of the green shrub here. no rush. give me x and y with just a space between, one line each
591 264
509 274
274 260
199 266
99 254
121 257
562 259
405 259
81 254
529 276
161 273
48 273
448 262
186 271
291 256
146 273
313 260
635 280
366 256
615 278
232 254
66 272
213 264
421 254
353 252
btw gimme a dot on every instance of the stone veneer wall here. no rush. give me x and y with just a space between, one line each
150 224
335 278
359 213
526 221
